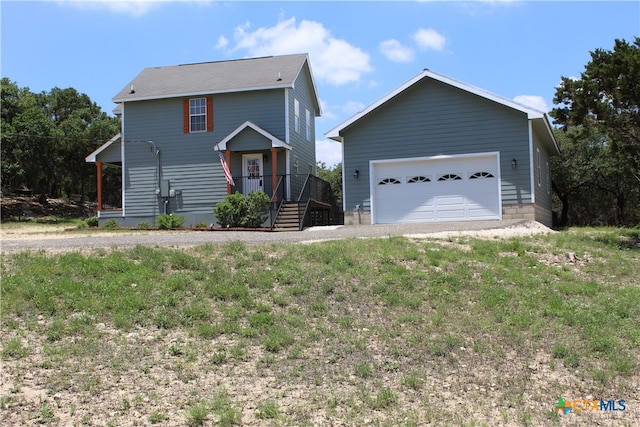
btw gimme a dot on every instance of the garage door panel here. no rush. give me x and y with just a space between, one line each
450 200
451 214
468 190
481 213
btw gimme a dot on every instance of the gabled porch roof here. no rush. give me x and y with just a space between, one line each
275 142
92 158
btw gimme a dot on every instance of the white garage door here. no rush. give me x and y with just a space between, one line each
452 188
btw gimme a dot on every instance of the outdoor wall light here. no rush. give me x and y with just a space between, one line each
356 174
514 164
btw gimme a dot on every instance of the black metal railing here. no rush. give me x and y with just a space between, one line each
277 198
288 187
307 190
318 199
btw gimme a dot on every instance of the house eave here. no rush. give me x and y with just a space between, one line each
194 94
91 158
531 113
275 142
318 109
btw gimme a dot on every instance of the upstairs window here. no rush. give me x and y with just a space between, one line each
296 111
198 115
308 124
538 167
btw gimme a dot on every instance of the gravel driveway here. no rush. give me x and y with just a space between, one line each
76 240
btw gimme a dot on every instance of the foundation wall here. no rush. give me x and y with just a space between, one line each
521 211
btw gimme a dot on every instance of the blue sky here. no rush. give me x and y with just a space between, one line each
359 50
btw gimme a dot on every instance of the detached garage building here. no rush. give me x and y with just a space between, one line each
436 149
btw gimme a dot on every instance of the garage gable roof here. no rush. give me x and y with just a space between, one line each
531 113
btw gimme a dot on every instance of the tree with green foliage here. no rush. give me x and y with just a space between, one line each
46 137
606 98
591 182
333 175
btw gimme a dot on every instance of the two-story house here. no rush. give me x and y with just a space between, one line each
181 124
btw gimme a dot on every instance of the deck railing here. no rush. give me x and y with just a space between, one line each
300 188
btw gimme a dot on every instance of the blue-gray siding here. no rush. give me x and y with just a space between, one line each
303 149
432 118
111 154
189 161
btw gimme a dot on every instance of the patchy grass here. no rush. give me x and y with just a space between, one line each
393 331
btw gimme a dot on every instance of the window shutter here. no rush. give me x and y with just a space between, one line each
185 116
209 114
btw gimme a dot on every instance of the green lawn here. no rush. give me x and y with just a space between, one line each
394 331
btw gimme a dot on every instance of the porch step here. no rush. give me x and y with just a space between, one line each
288 218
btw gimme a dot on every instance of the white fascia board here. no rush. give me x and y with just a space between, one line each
313 84
531 113
91 158
335 132
275 142
196 94
547 124
287 136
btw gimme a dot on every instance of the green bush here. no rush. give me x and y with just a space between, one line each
169 221
110 224
236 210
91 221
258 208
232 210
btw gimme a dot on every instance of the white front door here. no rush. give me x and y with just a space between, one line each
252 173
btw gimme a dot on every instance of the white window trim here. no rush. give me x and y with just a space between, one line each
296 118
548 180
539 167
191 115
308 124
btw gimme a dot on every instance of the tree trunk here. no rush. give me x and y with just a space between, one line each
564 199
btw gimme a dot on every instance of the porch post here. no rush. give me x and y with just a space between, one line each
99 184
274 171
227 153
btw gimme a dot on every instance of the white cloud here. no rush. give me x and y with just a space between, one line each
133 7
533 101
429 39
222 42
333 60
352 107
329 152
327 113
125 7
394 51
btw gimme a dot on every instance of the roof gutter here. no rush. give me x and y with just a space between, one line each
191 94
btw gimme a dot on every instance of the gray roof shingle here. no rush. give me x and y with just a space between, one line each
213 77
